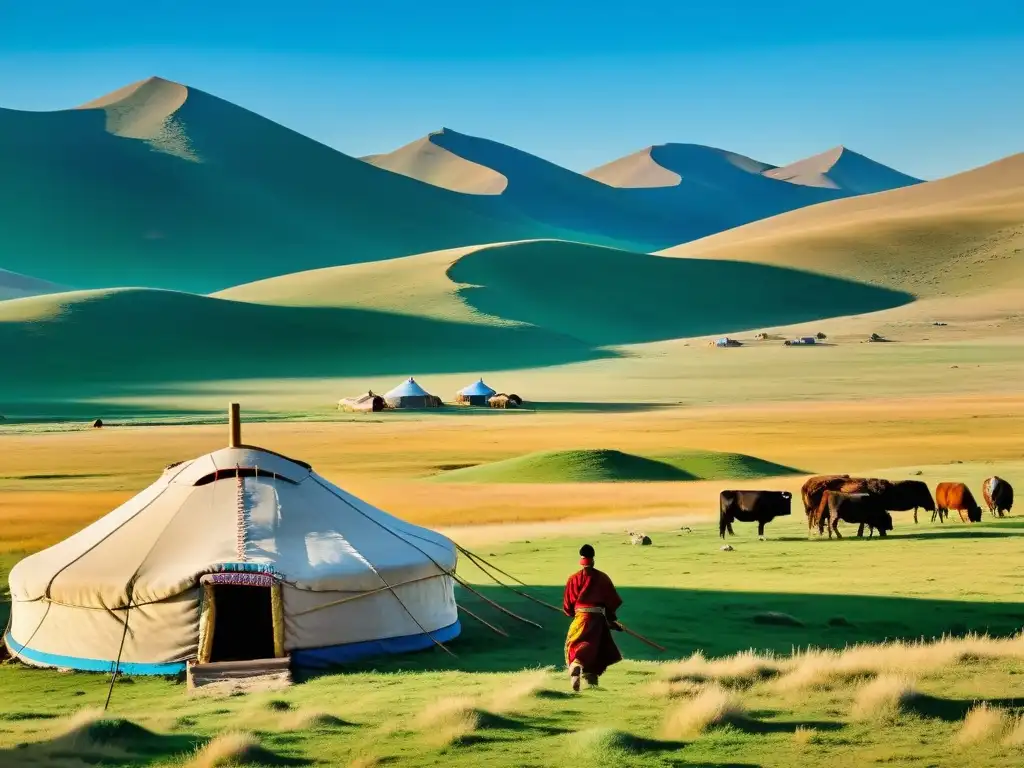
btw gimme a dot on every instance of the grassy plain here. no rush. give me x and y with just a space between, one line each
498 703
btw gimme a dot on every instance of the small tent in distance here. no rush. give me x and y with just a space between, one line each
368 403
476 393
409 394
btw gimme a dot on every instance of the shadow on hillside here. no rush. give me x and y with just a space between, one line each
716 623
120 343
608 297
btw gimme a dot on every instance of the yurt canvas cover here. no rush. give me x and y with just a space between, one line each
233 555
409 394
476 393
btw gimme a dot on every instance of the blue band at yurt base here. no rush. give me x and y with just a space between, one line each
90 665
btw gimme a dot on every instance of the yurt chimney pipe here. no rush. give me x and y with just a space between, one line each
235 425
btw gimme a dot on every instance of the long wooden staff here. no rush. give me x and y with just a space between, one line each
640 637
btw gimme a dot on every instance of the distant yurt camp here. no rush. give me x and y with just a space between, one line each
369 403
476 393
409 394
240 554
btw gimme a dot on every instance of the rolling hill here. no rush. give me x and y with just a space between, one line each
602 296
582 208
85 344
162 185
843 169
672 191
722 189
959 236
611 466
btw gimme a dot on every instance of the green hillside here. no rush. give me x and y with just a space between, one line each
129 341
160 185
603 296
611 466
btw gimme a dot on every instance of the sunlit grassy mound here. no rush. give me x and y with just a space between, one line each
611 466
602 296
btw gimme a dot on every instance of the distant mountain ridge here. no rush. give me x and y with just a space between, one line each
162 185
681 191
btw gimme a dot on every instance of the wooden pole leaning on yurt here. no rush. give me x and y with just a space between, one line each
235 426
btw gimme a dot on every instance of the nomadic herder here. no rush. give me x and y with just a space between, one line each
591 600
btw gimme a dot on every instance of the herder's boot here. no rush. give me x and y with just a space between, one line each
590 680
575 670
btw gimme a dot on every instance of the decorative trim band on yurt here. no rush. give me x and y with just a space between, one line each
90 665
343 654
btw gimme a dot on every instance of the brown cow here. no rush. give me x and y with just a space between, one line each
815 487
841 484
959 497
998 496
858 508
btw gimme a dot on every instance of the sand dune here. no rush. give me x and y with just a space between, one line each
427 159
958 236
578 207
229 196
146 110
15 286
673 192
652 166
844 169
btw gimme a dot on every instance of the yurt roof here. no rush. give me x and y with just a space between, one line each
408 388
235 505
477 388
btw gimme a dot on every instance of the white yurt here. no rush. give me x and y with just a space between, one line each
476 393
409 394
239 554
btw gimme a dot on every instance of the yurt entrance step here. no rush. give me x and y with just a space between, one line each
231 676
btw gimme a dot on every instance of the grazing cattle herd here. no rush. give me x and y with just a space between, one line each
862 501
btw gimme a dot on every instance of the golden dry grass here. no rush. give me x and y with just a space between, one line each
883 698
984 723
447 721
519 692
742 669
1015 732
803 736
711 707
816 668
226 749
87 473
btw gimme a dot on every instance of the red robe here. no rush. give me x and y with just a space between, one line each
589 642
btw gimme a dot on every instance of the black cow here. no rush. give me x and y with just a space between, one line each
751 506
856 508
904 495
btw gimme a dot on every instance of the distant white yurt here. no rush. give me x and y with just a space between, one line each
239 554
409 394
476 393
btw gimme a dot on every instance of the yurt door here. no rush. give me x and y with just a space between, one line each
241 618
243 626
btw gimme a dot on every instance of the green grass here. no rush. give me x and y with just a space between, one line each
495 705
611 466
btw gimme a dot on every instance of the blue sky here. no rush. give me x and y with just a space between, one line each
927 87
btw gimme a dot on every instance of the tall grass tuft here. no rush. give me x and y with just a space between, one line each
983 723
883 698
714 706
226 749
447 722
